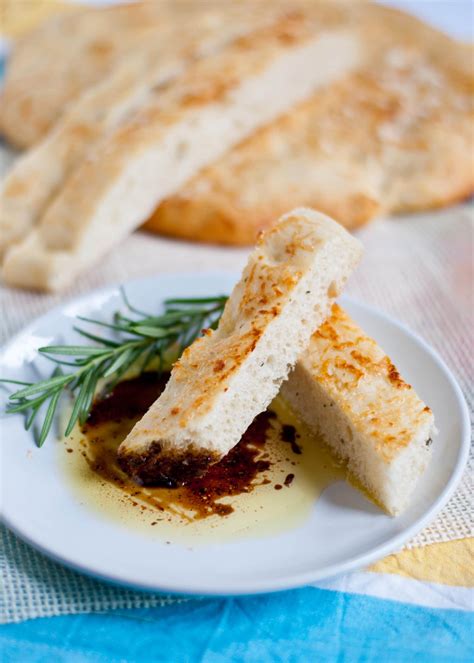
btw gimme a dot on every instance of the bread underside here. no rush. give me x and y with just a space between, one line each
346 389
224 379
192 121
395 136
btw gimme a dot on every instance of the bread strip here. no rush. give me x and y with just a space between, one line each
216 103
62 57
346 389
39 175
227 377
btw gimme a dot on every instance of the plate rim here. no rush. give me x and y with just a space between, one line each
288 581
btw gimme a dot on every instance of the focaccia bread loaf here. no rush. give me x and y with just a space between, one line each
176 41
395 136
348 391
191 122
228 376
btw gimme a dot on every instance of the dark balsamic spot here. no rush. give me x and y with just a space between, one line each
288 434
289 480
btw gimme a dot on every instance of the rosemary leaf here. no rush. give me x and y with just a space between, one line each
79 350
155 332
125 328
120 360
26 384
125 367
129 305
80 399
149 356
25 403
48 419
31 417
96 339
87 403
196 300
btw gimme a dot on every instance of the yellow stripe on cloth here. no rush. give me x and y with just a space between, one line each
450 563
20 16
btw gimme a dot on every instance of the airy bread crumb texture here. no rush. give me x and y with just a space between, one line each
347 389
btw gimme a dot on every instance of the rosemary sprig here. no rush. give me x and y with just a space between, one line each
138 338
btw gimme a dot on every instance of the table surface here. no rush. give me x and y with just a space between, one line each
413 603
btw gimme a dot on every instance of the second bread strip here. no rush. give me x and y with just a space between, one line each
224 379
347 389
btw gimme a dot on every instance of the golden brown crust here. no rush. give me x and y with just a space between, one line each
266 286
215 220
362 379
396 136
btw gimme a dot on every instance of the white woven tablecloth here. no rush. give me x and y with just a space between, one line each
418 269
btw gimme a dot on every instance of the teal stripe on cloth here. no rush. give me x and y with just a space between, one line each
303 625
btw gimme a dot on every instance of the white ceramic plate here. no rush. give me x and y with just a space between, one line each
342 532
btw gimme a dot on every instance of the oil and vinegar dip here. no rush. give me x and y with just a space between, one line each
267 483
